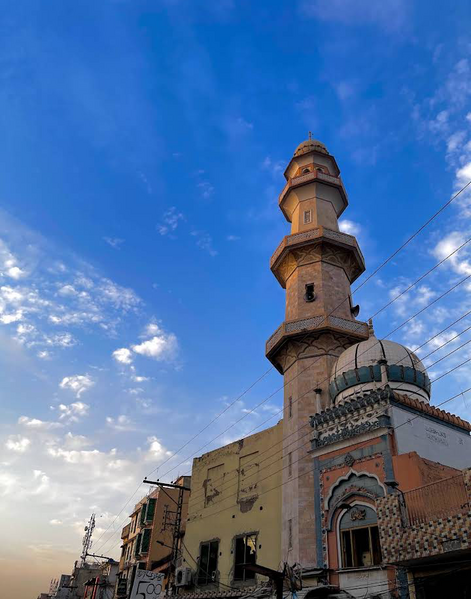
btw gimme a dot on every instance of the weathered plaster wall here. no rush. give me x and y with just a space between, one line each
431 439
235 490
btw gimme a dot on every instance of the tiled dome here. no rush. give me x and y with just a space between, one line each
358 369
310 145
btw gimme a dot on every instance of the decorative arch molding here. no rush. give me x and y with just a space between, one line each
350 477
357 494
352 485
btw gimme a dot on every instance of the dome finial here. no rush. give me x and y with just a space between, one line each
370 328
310 135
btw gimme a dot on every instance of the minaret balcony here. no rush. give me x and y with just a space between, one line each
292 328
313 245
287 199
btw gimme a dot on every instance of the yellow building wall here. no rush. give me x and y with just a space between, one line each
236 490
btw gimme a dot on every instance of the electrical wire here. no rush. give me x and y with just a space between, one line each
420 311
357 288
311 364
395 253
378 341
259 462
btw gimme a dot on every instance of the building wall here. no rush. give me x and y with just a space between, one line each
235 492
402 542
431 439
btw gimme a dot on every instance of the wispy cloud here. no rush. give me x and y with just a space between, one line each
114 242
78 383
170 221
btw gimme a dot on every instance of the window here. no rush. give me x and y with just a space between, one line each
208 563
290 464
359 538
245 553
290 407
290 534
309 296
307 217
306 171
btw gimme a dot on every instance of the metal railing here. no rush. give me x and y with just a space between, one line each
437 500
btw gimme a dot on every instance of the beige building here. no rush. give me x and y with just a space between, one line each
148 538
234 514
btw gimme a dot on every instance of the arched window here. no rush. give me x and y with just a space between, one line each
306 170
359 538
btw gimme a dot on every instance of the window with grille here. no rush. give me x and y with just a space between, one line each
245 553
307 217
208 562
359 538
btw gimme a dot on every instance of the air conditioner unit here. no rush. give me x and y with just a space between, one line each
183 577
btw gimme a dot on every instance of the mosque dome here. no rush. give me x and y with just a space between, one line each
310 145
374 363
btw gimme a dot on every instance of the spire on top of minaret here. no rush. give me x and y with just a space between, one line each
371 330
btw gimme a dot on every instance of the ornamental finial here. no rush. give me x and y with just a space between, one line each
371 330
310 135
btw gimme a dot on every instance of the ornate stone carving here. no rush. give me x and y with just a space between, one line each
348 432
357 513
349 460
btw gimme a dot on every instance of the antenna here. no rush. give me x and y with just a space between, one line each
87 539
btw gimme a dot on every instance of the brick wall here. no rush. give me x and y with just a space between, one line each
400 541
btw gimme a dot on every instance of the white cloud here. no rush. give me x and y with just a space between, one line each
123 355
35 423
460 261
206 189
76 441
205 242
122 423
349 227
170 221
114 242
160 347
73 412
391 15
55 522
78 383
156 451
18 443
233 238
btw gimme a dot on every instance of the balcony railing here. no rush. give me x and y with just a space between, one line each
436 500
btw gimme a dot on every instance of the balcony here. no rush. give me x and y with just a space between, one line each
295 327
436 500
427 522
125 531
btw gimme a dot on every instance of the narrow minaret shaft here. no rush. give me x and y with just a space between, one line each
316 264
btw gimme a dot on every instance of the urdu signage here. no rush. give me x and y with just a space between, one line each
147 585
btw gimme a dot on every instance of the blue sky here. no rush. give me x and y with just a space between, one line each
142 148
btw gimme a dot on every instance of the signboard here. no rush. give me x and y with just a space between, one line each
147 585
452 545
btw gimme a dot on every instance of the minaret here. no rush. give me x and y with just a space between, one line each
316 265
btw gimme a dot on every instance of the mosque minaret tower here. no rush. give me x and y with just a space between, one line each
316 264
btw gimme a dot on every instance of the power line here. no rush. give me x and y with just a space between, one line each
310 365
302 438
304 473
394 330
397 251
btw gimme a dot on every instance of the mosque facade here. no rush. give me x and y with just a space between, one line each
370 468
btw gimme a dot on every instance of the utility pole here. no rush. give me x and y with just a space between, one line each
87 539
177 513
